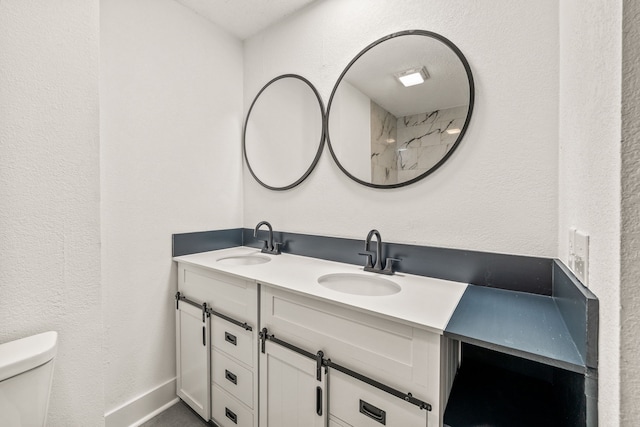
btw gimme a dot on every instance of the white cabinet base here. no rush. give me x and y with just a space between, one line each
227 392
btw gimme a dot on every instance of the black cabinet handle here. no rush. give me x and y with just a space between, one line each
231 415
230 376
373 412
230 338
319 401
204 336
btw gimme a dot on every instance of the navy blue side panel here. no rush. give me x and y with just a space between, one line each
518 273
570 398
579 309
203 241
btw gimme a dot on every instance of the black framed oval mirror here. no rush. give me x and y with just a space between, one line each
283 134
400 109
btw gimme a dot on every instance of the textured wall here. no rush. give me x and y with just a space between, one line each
589 157
49 193
498 192
630 217
171 109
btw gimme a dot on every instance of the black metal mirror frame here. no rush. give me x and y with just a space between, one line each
322 133
467 68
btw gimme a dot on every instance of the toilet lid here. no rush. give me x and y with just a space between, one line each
24 354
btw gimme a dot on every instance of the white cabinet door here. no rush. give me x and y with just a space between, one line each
192 358
290 394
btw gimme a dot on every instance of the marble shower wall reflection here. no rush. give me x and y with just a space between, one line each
404 148
384 157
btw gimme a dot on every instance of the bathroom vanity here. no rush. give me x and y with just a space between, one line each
503 340
290 341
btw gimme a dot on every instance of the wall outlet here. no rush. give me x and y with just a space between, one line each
579 255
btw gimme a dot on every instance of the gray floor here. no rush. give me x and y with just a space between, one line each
178 415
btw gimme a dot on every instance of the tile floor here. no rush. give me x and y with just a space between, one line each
178 415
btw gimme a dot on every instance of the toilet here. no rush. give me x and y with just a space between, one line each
26 371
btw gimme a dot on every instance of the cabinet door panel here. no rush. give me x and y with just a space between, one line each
192 358
290 394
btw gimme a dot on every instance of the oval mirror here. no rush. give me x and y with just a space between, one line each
400 109
284 132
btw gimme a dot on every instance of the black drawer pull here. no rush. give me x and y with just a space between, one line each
231 415
230 376
319 401
204 336
372 412
230 338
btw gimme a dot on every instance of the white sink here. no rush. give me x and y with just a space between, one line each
244 260
359 284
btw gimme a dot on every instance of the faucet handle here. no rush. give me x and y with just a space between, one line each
276 248
388 265
265 247
369 256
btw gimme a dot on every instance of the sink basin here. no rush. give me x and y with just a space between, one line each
359 284
244 260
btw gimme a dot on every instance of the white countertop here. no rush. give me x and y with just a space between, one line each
424 302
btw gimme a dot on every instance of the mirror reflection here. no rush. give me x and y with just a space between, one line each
399 109
284 132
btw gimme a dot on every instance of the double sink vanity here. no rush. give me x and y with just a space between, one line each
284 340
304 341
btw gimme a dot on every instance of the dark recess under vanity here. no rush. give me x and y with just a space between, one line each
495 389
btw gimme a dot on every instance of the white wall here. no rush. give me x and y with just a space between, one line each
630 220
171 113
49 194
351 121
498 192
589 156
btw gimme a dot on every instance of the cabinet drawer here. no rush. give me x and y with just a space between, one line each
233 340
358 404
333 422
227 411
235 297
232 377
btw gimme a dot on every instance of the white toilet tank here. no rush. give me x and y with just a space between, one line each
26 371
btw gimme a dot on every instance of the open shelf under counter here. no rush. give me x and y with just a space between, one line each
494 389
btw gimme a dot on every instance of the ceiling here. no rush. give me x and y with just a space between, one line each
244 18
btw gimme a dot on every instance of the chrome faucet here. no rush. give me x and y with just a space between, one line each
269 247
377 268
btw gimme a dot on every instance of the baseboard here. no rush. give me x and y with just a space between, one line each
144 407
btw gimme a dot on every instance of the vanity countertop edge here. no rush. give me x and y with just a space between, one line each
423 302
